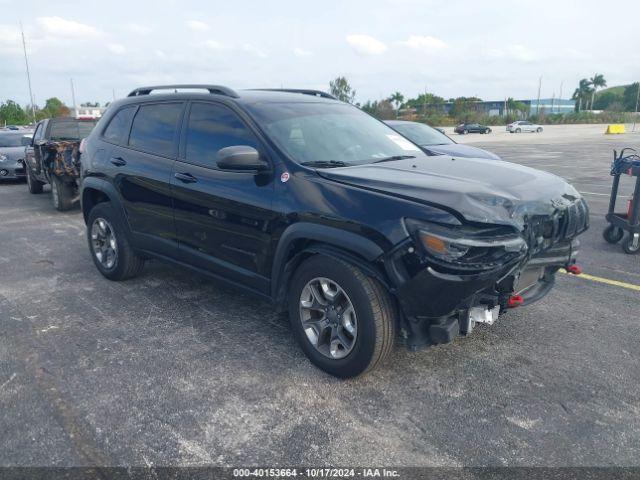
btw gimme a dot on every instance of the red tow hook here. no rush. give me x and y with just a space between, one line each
514 301
574 269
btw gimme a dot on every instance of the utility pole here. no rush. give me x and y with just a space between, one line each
560 97
73 99
636 113
538 104
26 62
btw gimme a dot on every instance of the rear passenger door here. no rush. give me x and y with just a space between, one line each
141 165
222 217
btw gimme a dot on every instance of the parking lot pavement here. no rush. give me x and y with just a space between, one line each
172 368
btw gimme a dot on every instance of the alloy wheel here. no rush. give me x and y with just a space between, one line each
103 243
328 318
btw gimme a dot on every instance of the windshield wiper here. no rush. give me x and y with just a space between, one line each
324 163
394 157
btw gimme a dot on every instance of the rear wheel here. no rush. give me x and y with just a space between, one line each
34 186
110 249
488 130
518 130
61 194
613 234
539 129
464 132
343 319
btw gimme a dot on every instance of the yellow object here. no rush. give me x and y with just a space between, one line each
615 128
608 281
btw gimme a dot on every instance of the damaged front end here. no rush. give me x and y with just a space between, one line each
450 277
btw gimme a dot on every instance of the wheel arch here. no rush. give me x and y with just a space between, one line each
95 191
302 240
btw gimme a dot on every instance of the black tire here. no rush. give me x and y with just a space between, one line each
518 130
629 246
374 310
34 186
464 132
488 130
613 234
127 263
539 130
61 194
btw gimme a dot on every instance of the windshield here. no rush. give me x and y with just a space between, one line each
316 133
422 134
11 140
71 130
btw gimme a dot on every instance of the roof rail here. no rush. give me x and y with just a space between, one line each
213 89
304 91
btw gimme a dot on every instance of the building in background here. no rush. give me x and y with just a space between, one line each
498 107
87 112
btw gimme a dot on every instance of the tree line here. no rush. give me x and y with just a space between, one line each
12 113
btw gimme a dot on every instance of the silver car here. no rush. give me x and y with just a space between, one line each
12 147
523 126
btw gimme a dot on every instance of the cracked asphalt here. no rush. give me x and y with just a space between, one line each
174 369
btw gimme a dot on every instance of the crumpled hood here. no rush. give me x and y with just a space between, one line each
458 150
487 191
12 153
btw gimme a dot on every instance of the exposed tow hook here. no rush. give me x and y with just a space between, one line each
514 301
574 269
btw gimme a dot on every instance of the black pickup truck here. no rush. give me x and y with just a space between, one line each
53 157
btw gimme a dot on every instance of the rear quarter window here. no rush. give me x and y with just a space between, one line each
70 130
117 130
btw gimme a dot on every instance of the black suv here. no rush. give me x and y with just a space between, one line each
325 211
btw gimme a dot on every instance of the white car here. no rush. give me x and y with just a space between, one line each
523 126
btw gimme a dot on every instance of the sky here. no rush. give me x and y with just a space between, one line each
490 49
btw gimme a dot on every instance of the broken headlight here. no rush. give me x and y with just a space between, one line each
472 248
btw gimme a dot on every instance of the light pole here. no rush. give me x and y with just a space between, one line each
636 113
26 62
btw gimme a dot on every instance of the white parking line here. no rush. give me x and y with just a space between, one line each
594 193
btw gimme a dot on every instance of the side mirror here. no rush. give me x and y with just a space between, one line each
241 158
27 140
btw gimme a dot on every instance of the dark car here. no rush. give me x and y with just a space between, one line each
326 212
12 146
465 128
434 142
52 156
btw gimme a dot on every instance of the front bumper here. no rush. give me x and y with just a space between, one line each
12 170
437 306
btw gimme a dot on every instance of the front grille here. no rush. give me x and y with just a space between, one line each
574 220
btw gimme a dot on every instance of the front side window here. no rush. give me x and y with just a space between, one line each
118 129
210 128
310 132
154 128
38 133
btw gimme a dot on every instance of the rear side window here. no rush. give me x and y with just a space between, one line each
154 128
118 129
210 128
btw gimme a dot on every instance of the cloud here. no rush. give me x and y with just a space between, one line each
197 25
252 49
11 40
213 45
424 42
299 52
60 27
138 28
116 48
366 45
518 53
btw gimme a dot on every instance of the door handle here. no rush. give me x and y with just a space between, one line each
185 177
118 161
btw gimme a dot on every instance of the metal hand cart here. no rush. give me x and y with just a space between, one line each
627 162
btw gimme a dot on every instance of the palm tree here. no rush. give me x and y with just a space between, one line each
597 81
397 98
583 91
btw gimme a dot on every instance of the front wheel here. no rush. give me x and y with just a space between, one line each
464 132
343 319
518 130
488 130
631 244
110 249
539 129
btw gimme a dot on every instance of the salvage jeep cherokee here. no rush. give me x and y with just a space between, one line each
325 211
